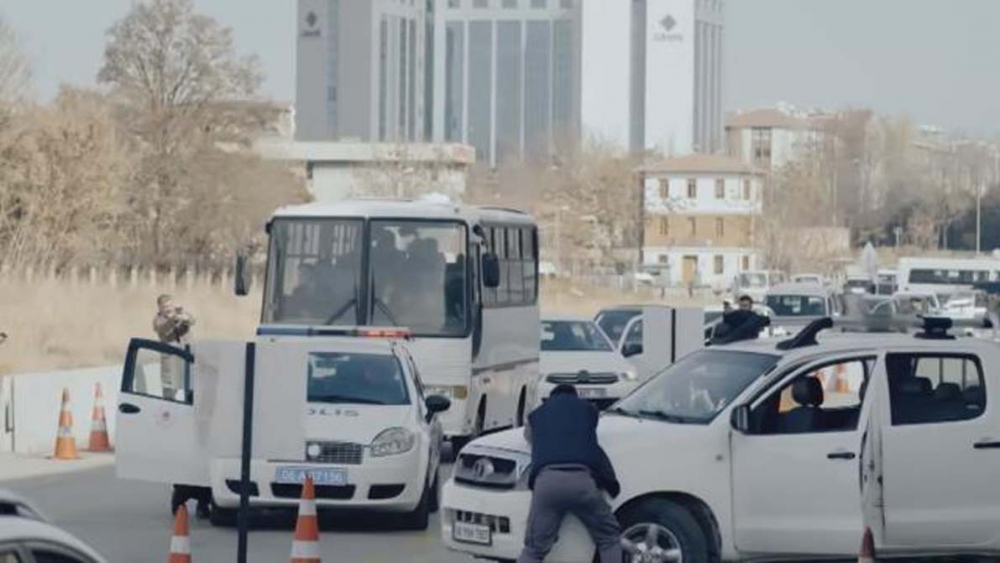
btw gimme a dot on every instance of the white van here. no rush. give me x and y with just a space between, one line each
763 450
348 410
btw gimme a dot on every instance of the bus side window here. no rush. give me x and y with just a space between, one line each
500 244
515 277
489 293
529 265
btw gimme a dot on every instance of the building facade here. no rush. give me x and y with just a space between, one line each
360 70
700 215
504 75
770 138
651 74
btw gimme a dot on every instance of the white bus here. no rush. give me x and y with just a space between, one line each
945 276
462 279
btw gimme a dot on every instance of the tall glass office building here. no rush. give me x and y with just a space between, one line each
507 72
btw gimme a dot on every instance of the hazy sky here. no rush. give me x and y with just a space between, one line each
929 59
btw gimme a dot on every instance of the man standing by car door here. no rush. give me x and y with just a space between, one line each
569 472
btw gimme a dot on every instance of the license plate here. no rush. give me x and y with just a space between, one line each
471 533
586 393
297 475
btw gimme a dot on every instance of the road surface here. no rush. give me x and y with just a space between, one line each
130 522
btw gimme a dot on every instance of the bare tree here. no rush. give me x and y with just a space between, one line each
182 90
15 72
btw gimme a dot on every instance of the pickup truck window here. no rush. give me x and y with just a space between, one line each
934 388
826 398
697 388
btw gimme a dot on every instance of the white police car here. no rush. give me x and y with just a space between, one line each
345 406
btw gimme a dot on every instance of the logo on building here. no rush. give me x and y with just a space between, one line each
310 29
665 30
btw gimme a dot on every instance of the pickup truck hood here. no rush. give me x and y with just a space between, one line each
573 362
354 423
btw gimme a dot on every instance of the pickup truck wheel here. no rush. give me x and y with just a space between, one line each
222 517
660 531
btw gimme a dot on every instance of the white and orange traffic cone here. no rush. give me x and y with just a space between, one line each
99 440
180 542
305 546
65 442
867 553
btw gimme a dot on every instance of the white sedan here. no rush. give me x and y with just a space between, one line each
26 536
576 351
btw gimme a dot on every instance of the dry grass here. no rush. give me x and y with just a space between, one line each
55 324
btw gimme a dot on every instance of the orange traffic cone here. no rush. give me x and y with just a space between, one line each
65 442
867 553
99 440
305 547
180 542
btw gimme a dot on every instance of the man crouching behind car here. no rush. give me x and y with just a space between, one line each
569 469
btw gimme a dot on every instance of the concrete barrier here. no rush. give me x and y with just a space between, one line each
30 403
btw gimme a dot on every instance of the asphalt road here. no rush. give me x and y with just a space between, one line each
130 522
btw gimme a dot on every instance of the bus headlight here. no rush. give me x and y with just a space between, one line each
630 375
393 441
451 392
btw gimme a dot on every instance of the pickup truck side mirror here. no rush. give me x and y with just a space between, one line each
630 349
242 276
740 419
436 404
491 270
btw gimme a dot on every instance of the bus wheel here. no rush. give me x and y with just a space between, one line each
480 420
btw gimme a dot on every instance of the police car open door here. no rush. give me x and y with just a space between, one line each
157 437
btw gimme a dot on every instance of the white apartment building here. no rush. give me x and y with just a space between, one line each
700 214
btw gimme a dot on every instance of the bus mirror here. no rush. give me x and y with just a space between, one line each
491 270
242 276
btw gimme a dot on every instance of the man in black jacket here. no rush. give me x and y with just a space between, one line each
569 470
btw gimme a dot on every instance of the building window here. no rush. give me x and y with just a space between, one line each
760 146
720 188
510 3
454 4
746 263
664 189
662 259
692 188
720 227
664 227
539 3
693 226
747 189
720 264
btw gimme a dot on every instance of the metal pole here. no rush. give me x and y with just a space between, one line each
979 216
244 515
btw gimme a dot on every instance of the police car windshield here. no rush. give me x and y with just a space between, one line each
573 336
697 388
367 379
613 322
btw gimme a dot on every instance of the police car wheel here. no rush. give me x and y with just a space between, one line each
659 531
419 518
435 494
222 517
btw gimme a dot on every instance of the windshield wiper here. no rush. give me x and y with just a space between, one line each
340 312
621 411
664 416
345 399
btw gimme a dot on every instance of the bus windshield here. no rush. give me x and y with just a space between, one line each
416 278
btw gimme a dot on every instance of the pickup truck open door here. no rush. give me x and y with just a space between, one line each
659 336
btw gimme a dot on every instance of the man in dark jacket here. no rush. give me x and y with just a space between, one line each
569 470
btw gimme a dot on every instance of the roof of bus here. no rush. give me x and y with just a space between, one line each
401 208
931 262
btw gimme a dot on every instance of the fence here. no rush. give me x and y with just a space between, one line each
188 277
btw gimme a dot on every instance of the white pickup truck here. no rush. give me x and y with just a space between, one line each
760 450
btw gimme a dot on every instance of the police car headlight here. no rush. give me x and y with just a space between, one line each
630 375
313 450
393 441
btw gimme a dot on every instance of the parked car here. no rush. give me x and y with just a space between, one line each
795 305
26 537
886 282
817 279
967 308
770 450
756 283
576 352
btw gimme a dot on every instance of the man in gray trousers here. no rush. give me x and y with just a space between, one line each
569 472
